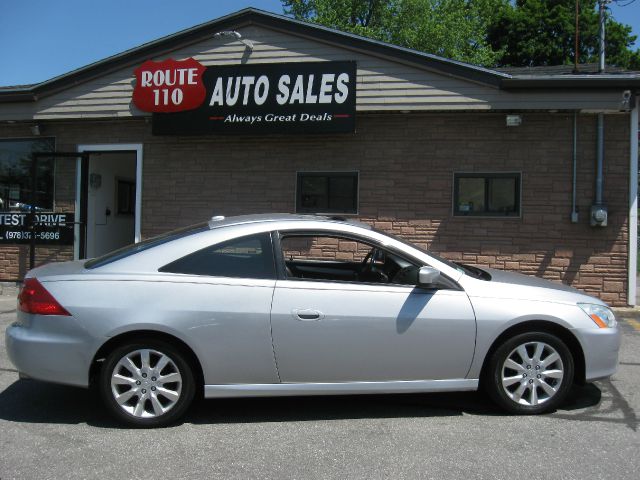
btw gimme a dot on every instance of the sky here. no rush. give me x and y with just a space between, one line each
40 39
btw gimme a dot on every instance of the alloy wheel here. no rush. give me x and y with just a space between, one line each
146 383
532 373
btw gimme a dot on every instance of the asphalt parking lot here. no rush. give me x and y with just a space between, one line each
50 431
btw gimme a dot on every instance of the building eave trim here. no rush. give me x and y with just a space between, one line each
250 16
572 81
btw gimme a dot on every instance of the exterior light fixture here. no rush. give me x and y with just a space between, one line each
236 35
514 120
35 129
626 100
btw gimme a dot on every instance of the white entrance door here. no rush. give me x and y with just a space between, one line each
111 202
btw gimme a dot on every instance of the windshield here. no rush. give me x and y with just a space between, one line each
474 272
145 245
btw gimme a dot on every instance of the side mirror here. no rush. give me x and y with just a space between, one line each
428 276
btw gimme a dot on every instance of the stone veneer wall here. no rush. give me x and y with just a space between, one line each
406 165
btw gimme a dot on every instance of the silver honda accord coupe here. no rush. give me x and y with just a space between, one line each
270 305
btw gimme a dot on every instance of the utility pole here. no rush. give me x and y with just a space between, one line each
576 52
602 4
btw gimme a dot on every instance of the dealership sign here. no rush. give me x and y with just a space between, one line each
169 86
49 228
304 97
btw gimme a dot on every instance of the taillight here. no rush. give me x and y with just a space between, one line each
34 298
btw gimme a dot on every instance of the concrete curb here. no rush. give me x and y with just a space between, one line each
9 289
627 312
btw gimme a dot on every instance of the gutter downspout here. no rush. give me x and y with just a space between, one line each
600 158
633 204
574 210
599 212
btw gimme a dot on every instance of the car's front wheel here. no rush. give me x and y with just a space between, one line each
530 373
147 383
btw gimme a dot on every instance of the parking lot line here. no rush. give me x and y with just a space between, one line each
635 324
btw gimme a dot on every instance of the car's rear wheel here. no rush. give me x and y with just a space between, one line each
530 373
147 383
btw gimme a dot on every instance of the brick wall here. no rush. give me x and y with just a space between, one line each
406 165
323 248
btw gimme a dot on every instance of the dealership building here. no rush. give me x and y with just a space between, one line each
532 170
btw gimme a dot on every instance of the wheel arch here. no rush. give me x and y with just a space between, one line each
545 326
136 335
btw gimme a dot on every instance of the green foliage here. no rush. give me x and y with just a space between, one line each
449 28
542 32
482 32
364 17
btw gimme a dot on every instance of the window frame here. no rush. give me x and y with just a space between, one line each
269 234
487 176
326 173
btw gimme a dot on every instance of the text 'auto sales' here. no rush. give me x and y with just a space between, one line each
187 98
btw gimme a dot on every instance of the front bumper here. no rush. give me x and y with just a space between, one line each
51 348
600 346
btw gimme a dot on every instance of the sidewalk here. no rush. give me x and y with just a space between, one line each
8 289
632 313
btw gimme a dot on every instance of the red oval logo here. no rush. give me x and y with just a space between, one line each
169 86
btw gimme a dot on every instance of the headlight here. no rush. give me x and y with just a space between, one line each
601 315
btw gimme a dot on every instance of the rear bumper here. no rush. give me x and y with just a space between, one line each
601 346
60 356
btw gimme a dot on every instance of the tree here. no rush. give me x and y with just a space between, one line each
369 18
542 32
483 32
449 28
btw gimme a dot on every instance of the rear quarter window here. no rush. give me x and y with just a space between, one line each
245 257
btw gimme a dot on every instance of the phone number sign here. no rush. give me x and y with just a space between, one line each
50 228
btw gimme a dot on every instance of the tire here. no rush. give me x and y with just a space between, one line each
147 383
533 385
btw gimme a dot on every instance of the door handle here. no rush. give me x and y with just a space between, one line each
307 314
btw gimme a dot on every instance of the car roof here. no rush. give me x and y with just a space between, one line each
220 221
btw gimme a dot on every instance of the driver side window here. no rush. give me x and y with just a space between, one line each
336 258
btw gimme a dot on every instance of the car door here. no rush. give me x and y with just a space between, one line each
220 297
346 331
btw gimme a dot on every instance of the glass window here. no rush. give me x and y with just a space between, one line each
15 174
332 192
126 196
246 257
486 194
334 258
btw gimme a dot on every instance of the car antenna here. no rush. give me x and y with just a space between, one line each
215 219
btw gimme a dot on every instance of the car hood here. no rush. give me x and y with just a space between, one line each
518 286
